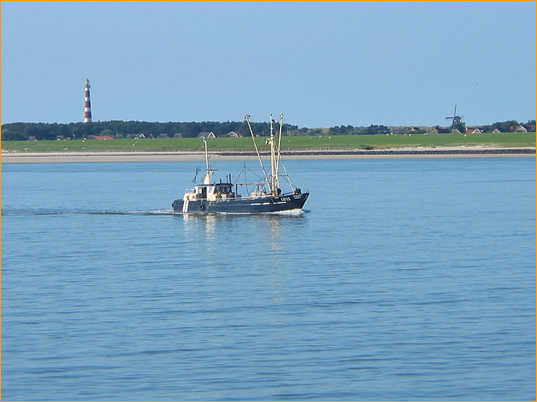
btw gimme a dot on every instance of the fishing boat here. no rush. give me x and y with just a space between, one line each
263 196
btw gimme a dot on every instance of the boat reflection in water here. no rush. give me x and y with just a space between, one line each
211 229
266 195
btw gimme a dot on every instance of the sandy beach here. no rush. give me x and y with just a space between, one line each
438 152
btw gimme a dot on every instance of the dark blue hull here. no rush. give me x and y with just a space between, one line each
269 204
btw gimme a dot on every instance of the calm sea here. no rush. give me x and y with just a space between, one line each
407 279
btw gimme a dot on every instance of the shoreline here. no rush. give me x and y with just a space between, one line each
181 156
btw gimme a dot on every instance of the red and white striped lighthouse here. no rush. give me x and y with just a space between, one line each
87 103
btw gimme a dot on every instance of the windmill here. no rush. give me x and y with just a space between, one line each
456 120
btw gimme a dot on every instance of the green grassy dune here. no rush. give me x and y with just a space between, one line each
379 141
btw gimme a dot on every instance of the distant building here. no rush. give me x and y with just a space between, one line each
407 129
234 134
209 134
520 129
473 131
400 130
163 135
178 135
496 131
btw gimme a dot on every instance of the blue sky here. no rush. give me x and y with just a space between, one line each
320 63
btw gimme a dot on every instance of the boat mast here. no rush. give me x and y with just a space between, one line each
273 175
275 156
278 154
208 171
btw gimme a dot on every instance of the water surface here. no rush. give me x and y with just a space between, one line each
407 279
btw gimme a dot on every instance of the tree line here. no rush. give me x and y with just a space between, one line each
127 129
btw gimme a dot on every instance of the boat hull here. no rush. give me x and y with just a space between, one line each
247 205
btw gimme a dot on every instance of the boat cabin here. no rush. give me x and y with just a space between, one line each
210 192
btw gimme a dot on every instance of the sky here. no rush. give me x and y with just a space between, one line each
321 64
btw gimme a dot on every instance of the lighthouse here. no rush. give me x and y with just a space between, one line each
87 103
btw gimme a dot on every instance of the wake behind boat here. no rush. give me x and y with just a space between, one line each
266 195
